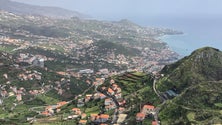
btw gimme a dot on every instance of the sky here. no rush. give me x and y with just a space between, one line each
115 9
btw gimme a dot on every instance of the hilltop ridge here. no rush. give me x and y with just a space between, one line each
203 64
26 9
197 81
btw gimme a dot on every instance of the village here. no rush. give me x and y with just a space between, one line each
112 101
74 65
111 97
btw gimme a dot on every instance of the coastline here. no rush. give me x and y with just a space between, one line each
176 43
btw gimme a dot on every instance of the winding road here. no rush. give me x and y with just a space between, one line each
157 109
115 118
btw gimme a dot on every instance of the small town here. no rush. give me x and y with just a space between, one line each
65 76
132 63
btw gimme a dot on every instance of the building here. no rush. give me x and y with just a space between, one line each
110 107
121 118
155 123
104 71
45 113
60 104
103 118
114 86
19 97
82 122
148 109
88 97
140 116
108 101
83 115
102 96
86 71
77 111
93 117
110 91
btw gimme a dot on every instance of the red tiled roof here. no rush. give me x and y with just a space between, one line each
48 107
83 121
98 79
148 106
104 116
62 103
114 85
110 90
101 95
75 109
154 123
93 115
108 99
140 115
45 113
83 115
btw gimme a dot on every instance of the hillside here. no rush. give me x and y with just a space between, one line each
197 80
25 9
185 92
25 86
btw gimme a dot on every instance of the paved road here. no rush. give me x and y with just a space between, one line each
164 101
115 118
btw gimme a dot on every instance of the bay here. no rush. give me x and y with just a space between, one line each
198 32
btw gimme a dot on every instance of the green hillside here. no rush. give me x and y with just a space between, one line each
105 46
197 80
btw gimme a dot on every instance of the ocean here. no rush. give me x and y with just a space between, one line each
198 32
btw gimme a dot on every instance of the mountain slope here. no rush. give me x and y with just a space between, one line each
20 8
202 65
197 79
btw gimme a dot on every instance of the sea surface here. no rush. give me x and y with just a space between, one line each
198 32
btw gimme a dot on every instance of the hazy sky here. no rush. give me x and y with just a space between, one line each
111 9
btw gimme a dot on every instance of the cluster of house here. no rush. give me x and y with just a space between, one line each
29 75
50 110
115 91
82 100
15 92
36 60
95 118
8 40
146 110
36 92
76 113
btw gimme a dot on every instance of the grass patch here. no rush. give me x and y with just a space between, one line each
48 100
7 49
53 47
93 110
139 74
218 105
191 116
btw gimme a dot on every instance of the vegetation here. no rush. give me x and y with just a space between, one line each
45 31
117 48
197 79
198 82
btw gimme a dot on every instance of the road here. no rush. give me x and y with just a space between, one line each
115 118
157 109
154 87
